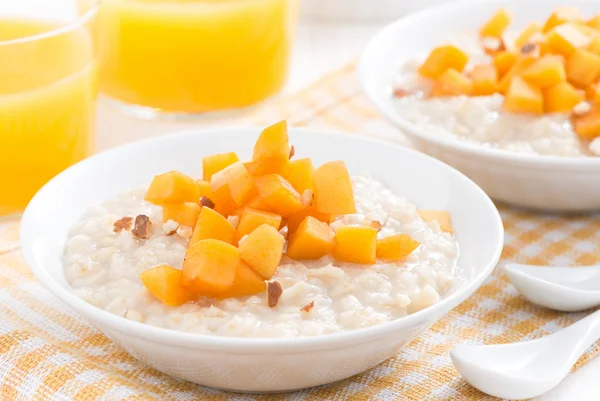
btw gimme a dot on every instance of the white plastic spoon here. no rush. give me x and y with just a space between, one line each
526 369
567 289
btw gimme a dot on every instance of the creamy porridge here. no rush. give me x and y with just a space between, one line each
535 90
319 297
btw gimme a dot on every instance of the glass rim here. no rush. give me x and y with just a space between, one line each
77 22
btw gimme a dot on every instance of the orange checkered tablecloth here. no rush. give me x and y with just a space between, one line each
47 352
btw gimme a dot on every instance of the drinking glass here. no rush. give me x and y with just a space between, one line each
47 94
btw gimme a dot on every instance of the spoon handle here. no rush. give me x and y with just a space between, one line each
585 332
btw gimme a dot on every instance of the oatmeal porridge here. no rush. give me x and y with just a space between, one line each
271 247
103 267
541 114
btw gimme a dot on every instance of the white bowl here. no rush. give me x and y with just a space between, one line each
260 365
540 182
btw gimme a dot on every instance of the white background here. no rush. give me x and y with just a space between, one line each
320 47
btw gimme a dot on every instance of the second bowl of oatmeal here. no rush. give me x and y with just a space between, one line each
286 292
529 157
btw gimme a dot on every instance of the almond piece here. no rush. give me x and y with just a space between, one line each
170 227
308 307
123 223
582 108
205 201
234 221
292 152
184 231
400 93
274 291
307 197
142 227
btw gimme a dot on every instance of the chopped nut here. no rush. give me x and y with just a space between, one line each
308 307
594 146
399 92
170 227
242 239
274 291
123 223
582 108
292 151
284 232
142 227
492 45
338 223
530 49
307 197
205 201
184 231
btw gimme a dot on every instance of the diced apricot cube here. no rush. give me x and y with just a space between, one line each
583 68
504 61
442 217
258 203
205 189
566 38
209 267
451 83
268 165
240 183
546 71
594 45
247 282
279 194
224 203
355 245
312 240
587 126
294 220
251 219
441 58
561 97
485 79
184 213
560 16
525 36
172 187
262 250
594 22
592 92
273 142
211 225
333 189
300 175
496 25
395 247
215 163
522 63
523 97
163 282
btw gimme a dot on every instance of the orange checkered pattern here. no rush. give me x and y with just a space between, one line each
47 352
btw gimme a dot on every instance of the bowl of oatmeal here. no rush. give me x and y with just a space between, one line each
293 260
503 91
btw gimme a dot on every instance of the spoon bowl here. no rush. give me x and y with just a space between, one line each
567 289
526 369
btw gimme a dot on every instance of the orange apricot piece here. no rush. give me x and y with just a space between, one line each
273 142
496 25
163 282
441 58
172 187
395 247
451 83
212 225
484 80
262 250
184 213
279 194
355 245
210 267
561 98
251 219
215 163
312 240
246 282
300 175
523 97
333 189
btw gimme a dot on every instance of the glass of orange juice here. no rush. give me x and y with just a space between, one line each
175 57
47 94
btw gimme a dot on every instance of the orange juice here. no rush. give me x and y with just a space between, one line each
47 94
194 56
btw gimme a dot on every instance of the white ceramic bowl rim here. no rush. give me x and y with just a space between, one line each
374 95
268 345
